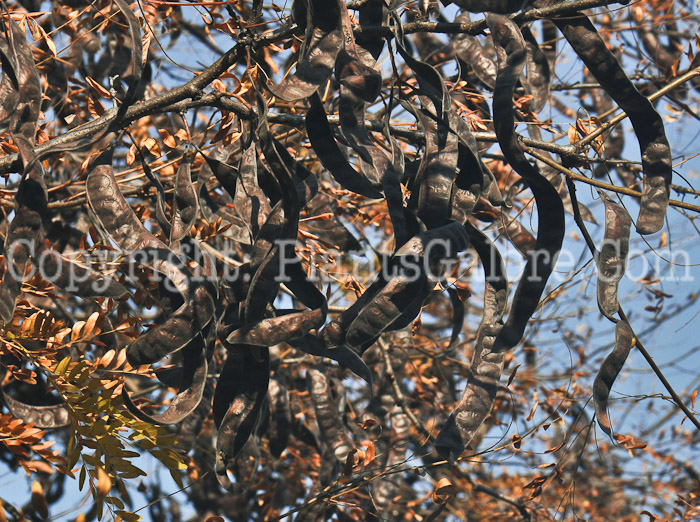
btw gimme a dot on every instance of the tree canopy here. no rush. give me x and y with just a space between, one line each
348 260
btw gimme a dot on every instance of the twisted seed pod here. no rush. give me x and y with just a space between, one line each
511 50
333 432
647 123
612 258
323 41
238 400
486 365
609 370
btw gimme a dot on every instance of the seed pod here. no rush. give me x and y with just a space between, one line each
119 222
613 363
333 432
323 41
192 381
341 354
238 400
538 75
612 258
26 227
186 203
275 330
331 157
469 49
486 365
647 123
511 50
43 417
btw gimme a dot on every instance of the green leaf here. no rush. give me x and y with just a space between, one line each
62 366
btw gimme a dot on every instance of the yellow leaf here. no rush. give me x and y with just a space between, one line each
62 366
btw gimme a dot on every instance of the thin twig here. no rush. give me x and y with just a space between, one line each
570 174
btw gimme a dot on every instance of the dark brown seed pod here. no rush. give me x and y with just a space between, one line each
333 432
612 258
43 417
119 222
647 123
178 330
341 354
486 366
538 75
186 203
193 379
609 370
469 49
329 153
238 400
275 330
26 227
511 50
314 68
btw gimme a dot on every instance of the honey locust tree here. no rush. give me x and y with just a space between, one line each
364 260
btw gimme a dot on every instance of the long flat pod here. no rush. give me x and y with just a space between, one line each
371 13
511 50
537 75
486 366
360 83
387 490
225 174
408 272
43 417
609 370
250 202
439 165
329 153
76 278
177 331
341 354
333 432
647 123
186 203
470 51
238 399
314 69
120 223
191 388
22 99
612 258
384 308
304 180
275 330
280 426
26 227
